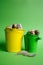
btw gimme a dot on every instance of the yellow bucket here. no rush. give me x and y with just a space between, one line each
13 39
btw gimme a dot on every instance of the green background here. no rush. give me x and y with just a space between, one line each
30 14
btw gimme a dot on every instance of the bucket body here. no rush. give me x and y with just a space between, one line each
30 43
13 39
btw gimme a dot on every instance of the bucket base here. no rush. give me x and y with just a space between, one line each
14 51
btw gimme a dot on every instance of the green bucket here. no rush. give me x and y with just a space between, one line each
31 42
